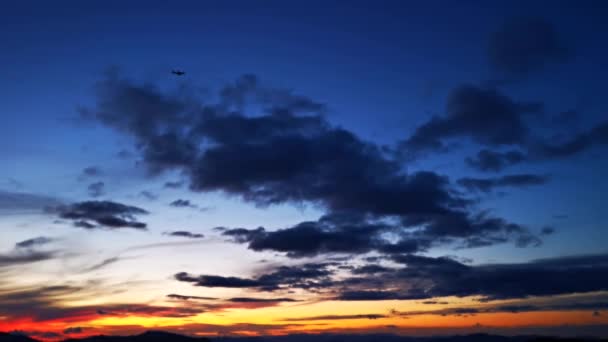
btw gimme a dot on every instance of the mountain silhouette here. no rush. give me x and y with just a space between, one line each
161 336
148 336
6 337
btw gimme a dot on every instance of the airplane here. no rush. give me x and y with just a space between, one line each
178 72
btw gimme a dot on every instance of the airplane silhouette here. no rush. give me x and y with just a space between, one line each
178 72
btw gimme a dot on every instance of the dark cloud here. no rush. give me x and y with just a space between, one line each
376 295
541 149
480 230
524 45
487 160
597 135
429 302
427 277
24 257
370 269
218 281
547 231
34 242
289 153
306 276
489 184
174 185
92 171
96 189
353 234
37 303
482 114
181 297
104 213
511 308
104 263
148 195
124 154
315 237
567 118
335 317
260 300
181 203
84 224
74 330
26 252
150 310
183 233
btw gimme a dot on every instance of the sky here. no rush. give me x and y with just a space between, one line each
404 167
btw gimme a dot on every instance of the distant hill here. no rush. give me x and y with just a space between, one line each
396 338
5 337
160 336
149 336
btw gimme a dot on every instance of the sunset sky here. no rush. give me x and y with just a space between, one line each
406 167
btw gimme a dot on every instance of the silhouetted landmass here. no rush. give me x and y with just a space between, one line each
396 338
5 337
159 336
149 336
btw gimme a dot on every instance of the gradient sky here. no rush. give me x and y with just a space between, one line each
416 168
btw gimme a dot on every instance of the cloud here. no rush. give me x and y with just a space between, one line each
34 242
181 297
525 45
316 237
540 150
182 233
92 171
24 257
124 310
102 264
96 189
287 154
290 154
26 252
376 295
335 317
174 185
547 231
484 115
124 154
489 184
181 203
260 300
597 135
501 308
48 303
104 213
218 281
306 276
352 234
370 269
428 277
74 330
487 160
148 195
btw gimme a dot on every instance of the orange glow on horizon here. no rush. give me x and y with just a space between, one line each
263 326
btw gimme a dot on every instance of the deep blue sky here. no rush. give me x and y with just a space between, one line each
383 69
